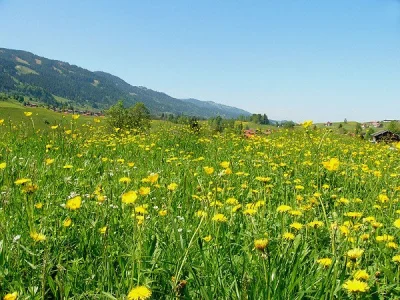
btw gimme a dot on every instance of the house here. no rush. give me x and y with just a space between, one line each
328 124
385 136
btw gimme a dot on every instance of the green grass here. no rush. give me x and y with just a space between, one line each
25 70
190 231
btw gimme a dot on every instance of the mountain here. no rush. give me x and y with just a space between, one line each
59 83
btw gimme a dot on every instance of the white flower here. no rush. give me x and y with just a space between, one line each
16 238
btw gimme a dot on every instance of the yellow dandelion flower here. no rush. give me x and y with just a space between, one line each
75 117
37 237
283 208
207 238
397 223
332 164
162 213
103 230
27 113
39 205
361 275
288 236
74 203
315 224
172 186
22 181
220 218
355 253
307 123
139 293
3 165
208 170
250 212
201 213
296 225
355 286
261 244
129 197
225 164
144 191
67 222
11 296
125 180
49 161
396 259
325 262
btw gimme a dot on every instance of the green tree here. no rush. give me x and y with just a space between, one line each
136 117
394 127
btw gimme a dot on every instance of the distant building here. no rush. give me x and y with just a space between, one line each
385 136
328 124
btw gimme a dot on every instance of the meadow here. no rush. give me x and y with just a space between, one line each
87 213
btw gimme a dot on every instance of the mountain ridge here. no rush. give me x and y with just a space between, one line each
48 80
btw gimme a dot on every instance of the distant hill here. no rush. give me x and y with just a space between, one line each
59 83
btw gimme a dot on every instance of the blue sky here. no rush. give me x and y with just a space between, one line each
290 59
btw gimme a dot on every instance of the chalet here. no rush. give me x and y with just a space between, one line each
328 124
385 136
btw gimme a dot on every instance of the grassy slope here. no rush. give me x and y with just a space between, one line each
14 111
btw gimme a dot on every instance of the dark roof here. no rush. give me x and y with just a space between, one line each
383 132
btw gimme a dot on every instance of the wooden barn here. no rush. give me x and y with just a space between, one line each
385 136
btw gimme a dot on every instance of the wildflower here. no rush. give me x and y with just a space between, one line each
3 165
49 161
392 245
201 213
288 236
172 187
30 188
141 209
68 167
261 244
37 237
103 230
74 203
364 237
208 170
129 197
39 205
152 178
383 198
22 181
307 123
1 121
250 211
315 224
353 214
219 218
144 190
54 127
355 253
355 286
75 117
396 259
67 222
283 208
207 238
11 296
397 223
236 207
139 293
325 262
361 275
331 165
232 201
385 238
296 225
125 180
225 164
27 113
162 213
